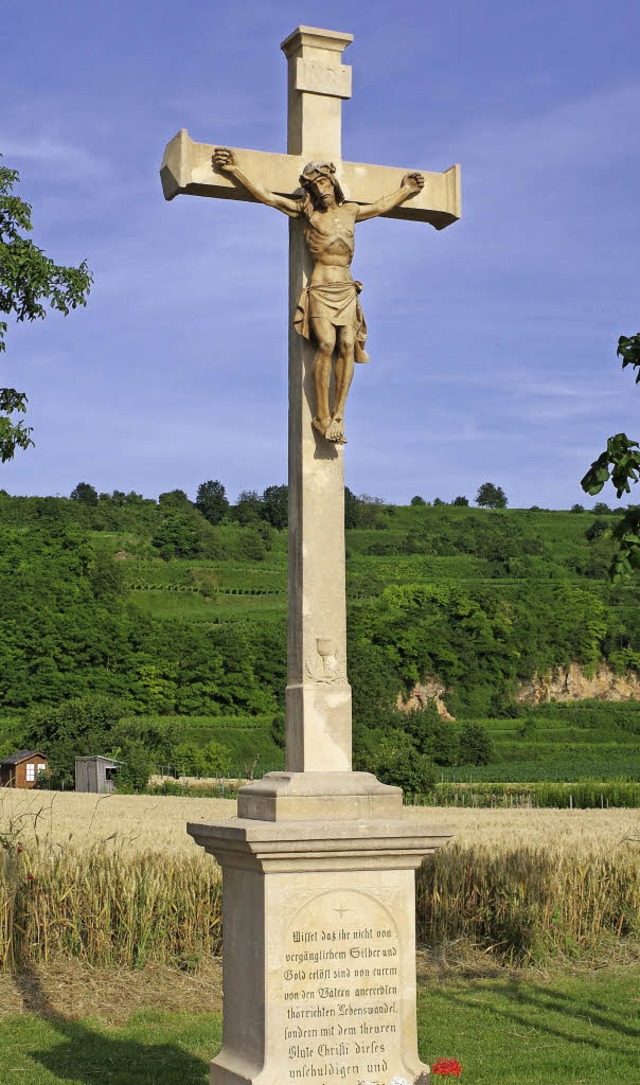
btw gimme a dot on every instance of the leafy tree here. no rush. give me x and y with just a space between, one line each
106 576
437 502
601 508
85 493
433 736
28 281
370 509
596 529
490 496
279 730
460 501
176 536
577 508
217 758
175 499
79 727
137 764
351 509
275 506
211 501
417 500
476 746
397 762
190 759
620 463
248 507
252 544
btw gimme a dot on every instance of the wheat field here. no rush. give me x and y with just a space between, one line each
151 823
116 881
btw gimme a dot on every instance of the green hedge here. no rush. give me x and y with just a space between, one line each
578 796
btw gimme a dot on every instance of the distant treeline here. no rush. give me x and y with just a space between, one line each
481 599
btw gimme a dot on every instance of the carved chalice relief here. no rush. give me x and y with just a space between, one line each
326 665
328 313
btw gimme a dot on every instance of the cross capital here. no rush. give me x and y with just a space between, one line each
318 83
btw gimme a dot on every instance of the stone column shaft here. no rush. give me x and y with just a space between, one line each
318 694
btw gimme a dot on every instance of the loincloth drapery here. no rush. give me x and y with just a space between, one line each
339 304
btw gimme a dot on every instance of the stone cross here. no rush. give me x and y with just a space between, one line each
318 866
318 693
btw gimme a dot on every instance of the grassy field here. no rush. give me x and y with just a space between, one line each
487 791
516 1030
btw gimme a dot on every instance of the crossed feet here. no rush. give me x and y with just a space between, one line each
331 428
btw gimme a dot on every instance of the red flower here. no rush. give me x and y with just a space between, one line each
30 877
19 851
447 1068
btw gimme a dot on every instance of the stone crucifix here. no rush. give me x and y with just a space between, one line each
324 198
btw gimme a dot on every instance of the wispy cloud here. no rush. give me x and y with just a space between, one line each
59 159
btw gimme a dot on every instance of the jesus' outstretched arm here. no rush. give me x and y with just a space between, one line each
225 161
411 185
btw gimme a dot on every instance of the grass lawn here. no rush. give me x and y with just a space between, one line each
570 1030
579 1030
155 1048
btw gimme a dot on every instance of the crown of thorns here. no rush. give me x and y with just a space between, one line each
313 170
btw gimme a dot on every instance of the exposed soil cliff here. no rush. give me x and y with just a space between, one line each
572 684
422 694
562 684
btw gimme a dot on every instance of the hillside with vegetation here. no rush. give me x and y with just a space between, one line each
156 631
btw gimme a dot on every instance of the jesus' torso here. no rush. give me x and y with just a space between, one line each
330 237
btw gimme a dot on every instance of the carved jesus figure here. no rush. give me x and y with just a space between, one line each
328 311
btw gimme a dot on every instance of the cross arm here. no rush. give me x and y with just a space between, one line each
186 168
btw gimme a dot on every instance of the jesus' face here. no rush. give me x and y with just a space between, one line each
324 192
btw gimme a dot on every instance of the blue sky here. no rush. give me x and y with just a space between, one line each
492 342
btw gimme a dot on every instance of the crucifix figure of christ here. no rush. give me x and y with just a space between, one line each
328 311
318 693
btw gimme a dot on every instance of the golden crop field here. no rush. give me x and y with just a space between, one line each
116 880
149 823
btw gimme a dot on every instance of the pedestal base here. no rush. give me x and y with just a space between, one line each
301 796
319 946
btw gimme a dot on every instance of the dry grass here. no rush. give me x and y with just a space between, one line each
150 823
566 831
72 989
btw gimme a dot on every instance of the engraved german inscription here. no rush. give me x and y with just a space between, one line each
341 990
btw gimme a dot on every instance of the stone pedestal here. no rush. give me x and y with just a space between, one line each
319 921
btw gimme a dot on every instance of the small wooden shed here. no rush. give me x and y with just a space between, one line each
22 768
96 774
